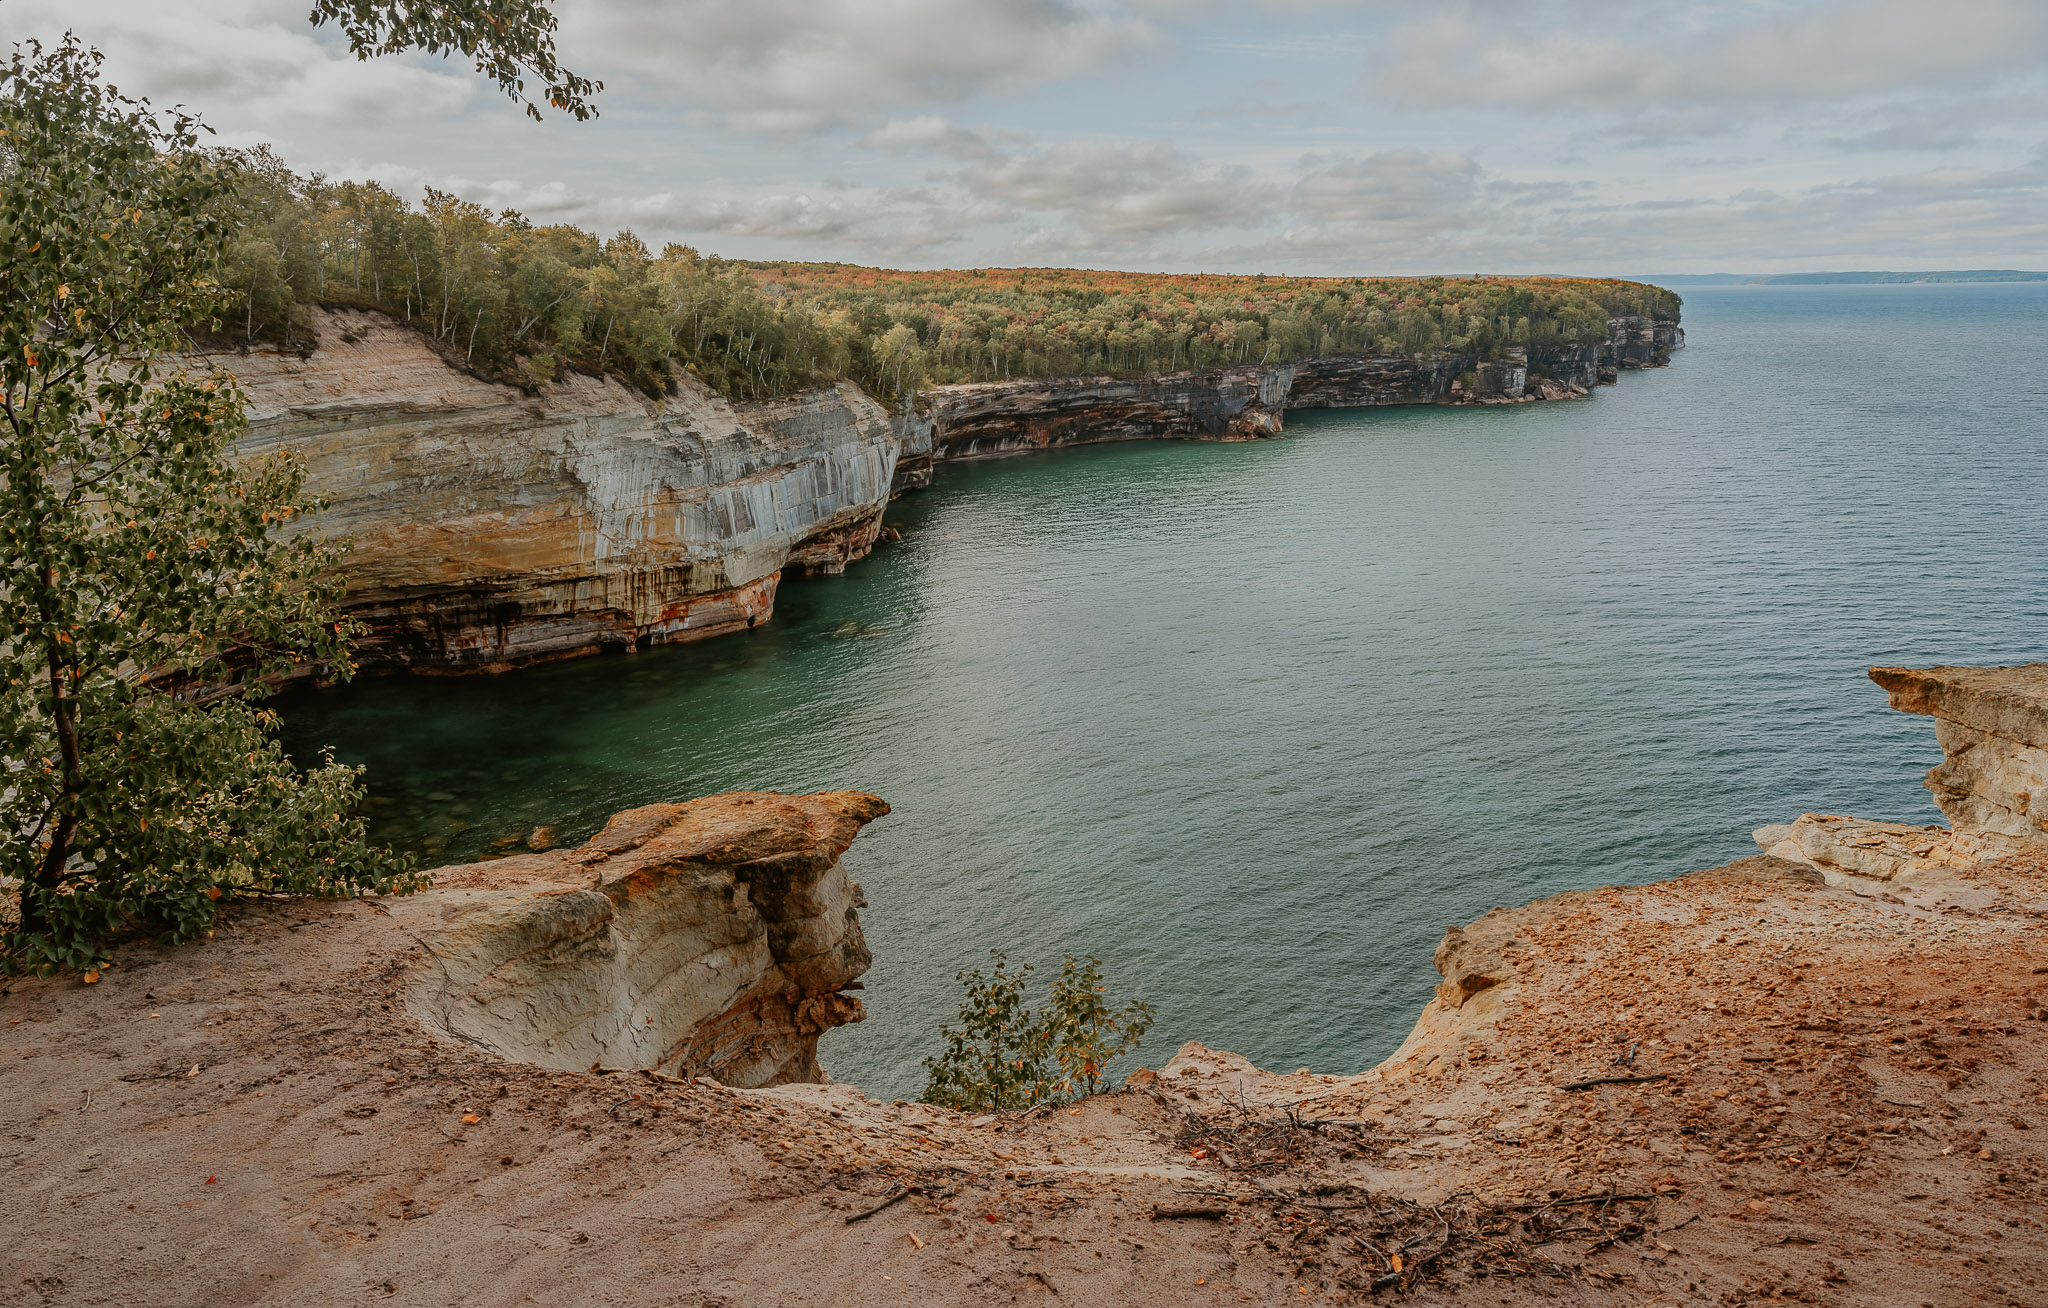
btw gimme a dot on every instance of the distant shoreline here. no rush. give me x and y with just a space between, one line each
1846 278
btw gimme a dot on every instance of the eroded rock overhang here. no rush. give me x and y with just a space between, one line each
714 938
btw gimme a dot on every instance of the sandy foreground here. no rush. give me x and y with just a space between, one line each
1801 1094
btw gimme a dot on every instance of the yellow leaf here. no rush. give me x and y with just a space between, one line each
1396 1261
63 292
470 1119
90 978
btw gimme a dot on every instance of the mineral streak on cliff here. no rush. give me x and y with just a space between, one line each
491 528
713 938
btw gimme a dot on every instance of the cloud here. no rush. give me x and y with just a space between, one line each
248 61
840 56
1669 74
928 132
1881 131
1931 123
1115 195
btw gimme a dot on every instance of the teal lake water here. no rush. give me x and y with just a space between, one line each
1255 722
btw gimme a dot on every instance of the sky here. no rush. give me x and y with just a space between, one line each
1286 136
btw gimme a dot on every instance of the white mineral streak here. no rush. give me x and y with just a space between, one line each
493 527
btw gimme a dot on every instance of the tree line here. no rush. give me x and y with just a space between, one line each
522 302
987 324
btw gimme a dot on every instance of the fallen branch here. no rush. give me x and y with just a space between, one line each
1159 1212
1616 1080
901 1193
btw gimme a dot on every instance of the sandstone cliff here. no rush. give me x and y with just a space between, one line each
714 938
995 418
492 528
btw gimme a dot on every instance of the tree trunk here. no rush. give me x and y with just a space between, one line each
33 920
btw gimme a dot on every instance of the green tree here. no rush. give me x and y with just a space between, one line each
1003 1054
507 39
144 577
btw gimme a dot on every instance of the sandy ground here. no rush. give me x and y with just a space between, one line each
1849 1109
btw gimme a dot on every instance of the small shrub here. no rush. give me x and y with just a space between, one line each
1005 1055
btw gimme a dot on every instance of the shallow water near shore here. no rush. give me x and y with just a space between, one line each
1254 722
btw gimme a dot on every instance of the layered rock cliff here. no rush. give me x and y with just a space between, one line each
995 418
714 938
492 528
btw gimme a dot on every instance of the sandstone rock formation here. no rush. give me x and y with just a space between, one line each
492 528
714 938
988 418
1992 724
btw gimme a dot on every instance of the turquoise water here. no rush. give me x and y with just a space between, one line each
1255 722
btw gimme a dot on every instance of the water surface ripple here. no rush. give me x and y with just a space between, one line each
1254 722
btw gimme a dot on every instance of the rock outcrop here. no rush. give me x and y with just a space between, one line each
492 528
1992 785
991 418
714 938
1992 726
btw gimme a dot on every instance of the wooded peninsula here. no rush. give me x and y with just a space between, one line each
520 301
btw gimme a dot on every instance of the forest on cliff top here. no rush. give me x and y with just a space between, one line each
522 301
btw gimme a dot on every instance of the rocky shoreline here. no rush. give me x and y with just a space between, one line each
493 528
1808 1076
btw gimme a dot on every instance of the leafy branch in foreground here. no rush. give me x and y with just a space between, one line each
143 574
506 38
1005 1055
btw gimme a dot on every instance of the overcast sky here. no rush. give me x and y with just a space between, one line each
1585 136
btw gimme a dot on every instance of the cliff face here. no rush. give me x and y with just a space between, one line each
1992 725
991 418
995 418
493 529
714 938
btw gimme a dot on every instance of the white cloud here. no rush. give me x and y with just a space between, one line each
928 132
1675 73
835 56
249 61
1117 194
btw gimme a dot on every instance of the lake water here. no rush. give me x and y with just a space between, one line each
1255 722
